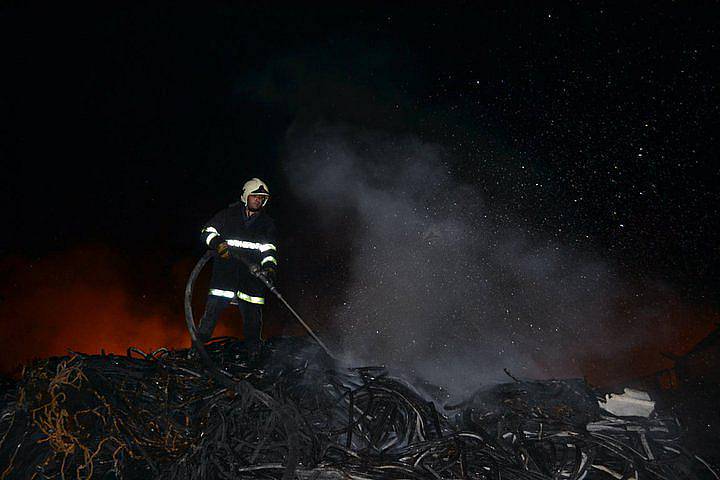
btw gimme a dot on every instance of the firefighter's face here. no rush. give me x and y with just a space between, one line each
255 202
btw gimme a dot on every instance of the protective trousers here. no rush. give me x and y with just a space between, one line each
251 315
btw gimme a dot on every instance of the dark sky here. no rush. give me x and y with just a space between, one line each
592 124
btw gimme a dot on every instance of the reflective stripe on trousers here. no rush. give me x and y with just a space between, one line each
251 299
242 296
222 293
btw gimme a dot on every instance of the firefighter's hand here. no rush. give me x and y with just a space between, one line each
270 273
223 250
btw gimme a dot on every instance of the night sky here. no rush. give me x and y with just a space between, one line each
588 126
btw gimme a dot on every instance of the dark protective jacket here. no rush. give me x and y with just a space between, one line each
255 238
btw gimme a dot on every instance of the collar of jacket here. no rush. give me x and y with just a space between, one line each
250 219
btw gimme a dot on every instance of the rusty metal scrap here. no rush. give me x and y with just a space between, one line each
295 413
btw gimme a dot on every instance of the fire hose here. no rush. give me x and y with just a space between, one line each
255 271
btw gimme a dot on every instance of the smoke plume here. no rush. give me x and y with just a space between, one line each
442 287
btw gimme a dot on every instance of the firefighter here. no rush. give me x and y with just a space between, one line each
247 228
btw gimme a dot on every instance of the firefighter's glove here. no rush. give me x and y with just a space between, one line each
270 273
223 250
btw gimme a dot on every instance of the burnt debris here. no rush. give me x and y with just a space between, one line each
294 413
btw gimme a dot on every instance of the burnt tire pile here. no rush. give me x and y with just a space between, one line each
293 413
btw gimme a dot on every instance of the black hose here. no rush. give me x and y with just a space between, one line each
189 320
255 271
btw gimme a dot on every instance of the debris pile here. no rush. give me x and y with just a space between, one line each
294 413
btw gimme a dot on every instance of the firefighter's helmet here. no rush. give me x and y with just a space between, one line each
255 186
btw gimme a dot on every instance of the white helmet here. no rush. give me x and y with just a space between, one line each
255 186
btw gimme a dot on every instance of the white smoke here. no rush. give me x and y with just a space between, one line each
438 288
